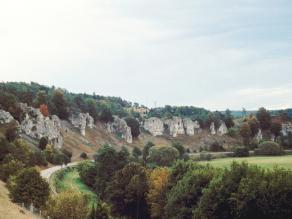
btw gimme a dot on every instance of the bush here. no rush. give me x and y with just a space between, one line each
106 116
269 148
163 156
68 204
205 156
179 147
43 143
29 187
11 133
216 147
232 132
136 152
134 125
83 155
87 171
38 158
241 151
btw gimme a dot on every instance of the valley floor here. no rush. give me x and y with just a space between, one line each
72 181
266 162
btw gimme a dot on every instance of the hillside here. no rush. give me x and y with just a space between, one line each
9 210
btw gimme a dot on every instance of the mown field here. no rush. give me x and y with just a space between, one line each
266 162
71 181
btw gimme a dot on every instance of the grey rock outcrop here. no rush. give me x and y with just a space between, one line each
5 117
286 128
259 135
120 126
154 126
212 129
174 126
81 121
222 130
191 127
37 126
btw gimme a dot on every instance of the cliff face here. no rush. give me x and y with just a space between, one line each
81 121
154 126
5 117
37 126
179 126
174 126
119 126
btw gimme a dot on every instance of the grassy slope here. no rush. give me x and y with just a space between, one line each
9 210
71 181
266 162
75 142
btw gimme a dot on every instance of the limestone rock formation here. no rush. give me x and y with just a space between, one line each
286 128
222 130
120 126
259 135
174 126
81 121
191 127
37 126
154 126
212 129
5 117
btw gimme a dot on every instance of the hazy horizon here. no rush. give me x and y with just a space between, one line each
215 55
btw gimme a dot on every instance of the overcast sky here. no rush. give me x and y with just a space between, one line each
215 54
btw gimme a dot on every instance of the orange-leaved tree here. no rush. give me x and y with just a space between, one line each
44 110
157 181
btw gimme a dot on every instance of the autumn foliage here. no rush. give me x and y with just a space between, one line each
44 110
158 180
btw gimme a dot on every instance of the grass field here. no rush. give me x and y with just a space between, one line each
71 181
266 162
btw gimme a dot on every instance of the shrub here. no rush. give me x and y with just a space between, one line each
87 171
134 125
68 204
29 187
136 152
43 143
241 151
216 147
11 133
83 155
163 156
9 168
269 148
106 116
179 147
232 132
205 156
38 158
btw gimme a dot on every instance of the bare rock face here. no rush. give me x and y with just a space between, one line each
259 135
154 126
191 127
222 130
81 121
5 117
212 129
286 128
37 126
174 126
120 126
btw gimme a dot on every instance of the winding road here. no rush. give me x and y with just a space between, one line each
46 174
